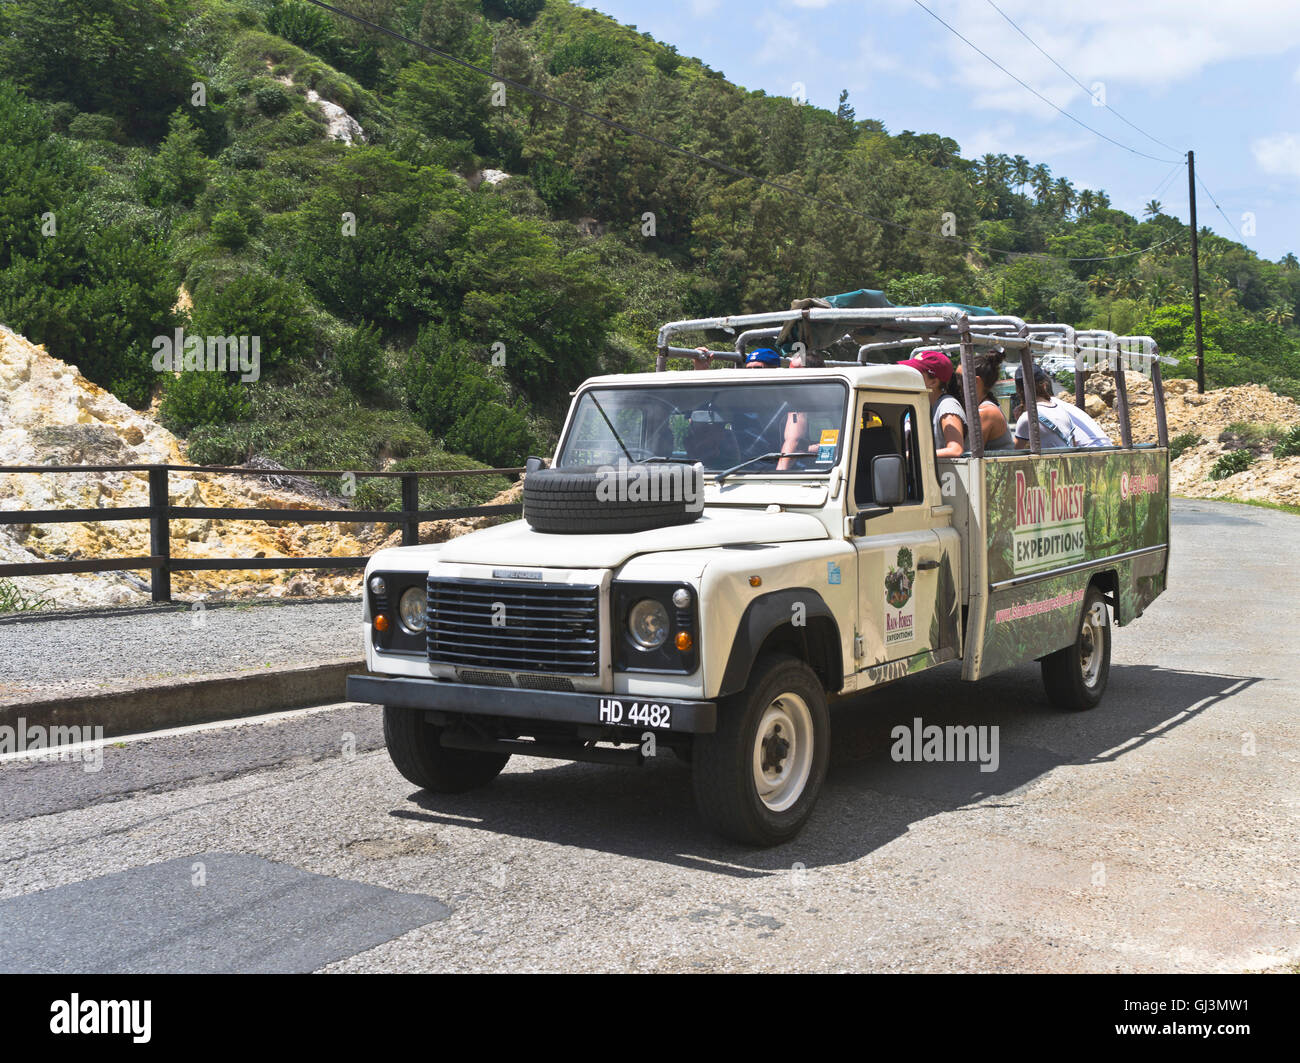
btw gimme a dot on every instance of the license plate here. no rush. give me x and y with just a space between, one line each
625 712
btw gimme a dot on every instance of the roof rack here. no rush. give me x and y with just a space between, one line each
1091 350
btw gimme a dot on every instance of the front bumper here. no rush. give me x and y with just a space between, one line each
621 710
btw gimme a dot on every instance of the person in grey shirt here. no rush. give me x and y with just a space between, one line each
1060 424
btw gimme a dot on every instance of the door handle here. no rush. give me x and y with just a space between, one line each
925 566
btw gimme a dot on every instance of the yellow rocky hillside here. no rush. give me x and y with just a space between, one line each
51 415
1207 417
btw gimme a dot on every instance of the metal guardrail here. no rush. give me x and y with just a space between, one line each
160 512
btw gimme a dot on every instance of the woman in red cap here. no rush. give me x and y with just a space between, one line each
947 413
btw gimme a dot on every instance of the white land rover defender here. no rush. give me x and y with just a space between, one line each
714 556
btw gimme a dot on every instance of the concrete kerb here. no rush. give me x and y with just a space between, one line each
186 700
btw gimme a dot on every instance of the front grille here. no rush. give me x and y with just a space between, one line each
515 627
484 679
545 682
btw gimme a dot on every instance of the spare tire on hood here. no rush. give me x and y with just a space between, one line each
594 500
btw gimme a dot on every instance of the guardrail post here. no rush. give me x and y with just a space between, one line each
410 505
159 535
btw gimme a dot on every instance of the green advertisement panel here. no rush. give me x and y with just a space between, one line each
1049 513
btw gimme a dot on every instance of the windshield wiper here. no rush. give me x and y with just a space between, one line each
617 438
761 457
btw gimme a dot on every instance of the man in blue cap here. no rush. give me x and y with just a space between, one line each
759 358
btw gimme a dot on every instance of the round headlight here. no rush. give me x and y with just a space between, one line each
378 586
412 608
681 597
647 623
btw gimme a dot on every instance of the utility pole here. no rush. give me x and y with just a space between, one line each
1196 275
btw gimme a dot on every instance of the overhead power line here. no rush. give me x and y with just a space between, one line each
1030 88
1160 187
1073 78
736 171
1200 182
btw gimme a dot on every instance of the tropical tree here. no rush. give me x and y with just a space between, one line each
1153 209
1064 195
1021 169
1041 179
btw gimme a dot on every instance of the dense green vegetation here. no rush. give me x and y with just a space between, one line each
409 311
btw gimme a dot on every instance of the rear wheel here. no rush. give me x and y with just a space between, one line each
1075 677
415 747
758 776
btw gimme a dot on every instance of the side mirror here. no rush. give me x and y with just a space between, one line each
888 480
533 464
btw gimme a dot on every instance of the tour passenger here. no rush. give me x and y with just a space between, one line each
993 422
945 410
1060 424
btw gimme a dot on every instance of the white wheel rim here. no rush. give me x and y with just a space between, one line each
783 752
1092 643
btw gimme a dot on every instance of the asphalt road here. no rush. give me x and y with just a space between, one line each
1160 832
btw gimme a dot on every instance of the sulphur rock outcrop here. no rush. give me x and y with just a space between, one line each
52 415
1206 417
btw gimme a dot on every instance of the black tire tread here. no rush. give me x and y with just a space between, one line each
415 748
1061 675
720 770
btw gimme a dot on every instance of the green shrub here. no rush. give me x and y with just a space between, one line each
594 55
230 229
1183 442
1230 464
179 172
359 361
302 24
667 60
272 100
201 398
453 396
1288 444
523 10
1289 386
1250 435
257 304
93 127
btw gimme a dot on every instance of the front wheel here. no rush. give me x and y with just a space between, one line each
757 777
1075 677
416 749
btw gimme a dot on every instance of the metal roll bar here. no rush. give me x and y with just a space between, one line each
926 325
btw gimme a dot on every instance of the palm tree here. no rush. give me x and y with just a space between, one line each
1087 200
1064 194
1129 288
1021 169
1042 182
1101 283
1103 201
1153 209
1290 261
1279 314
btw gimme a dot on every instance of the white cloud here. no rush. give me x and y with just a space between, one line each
1278 154
1148 46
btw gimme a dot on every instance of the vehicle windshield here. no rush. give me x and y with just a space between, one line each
719 426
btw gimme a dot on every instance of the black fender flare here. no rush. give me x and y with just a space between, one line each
766 614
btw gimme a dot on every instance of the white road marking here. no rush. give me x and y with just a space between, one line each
144 736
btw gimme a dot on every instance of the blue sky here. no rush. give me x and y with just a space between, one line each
1221 78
